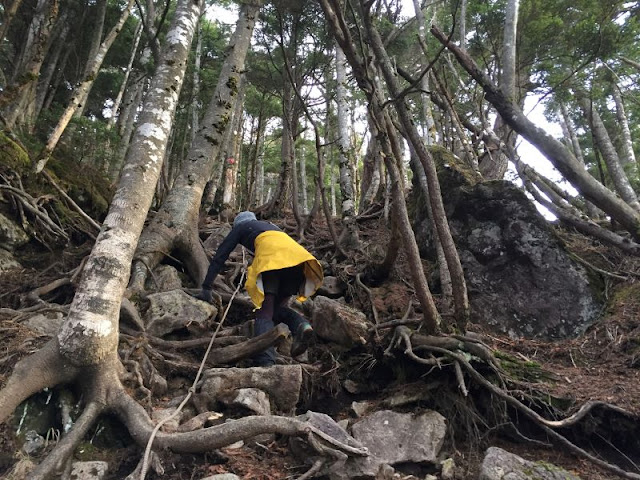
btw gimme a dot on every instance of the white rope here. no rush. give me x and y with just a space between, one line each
192 389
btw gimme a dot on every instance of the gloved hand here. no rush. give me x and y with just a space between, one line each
206 295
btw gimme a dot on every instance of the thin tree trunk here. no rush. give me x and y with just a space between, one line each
350 233
9 14
508 78
304 196
460 298
338 26
81 91
53 62
610 156
125 81
94 51
628 157
128 115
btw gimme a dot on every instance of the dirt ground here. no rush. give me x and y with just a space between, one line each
602 364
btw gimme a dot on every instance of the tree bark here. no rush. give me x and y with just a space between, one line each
551 148
175 224
125 81
349 236
628 157
17 101
87 341
508 78
94 51
614 166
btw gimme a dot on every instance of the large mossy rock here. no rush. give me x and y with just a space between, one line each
521 280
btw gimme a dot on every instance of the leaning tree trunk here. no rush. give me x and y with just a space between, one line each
81 91
125 81
555 151
628 157
614 166
87 342
175 225
17 101
94 51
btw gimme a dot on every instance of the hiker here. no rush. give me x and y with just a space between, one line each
280 269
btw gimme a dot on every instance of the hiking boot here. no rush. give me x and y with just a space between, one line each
301 339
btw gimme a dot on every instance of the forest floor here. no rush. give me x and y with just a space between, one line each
602 364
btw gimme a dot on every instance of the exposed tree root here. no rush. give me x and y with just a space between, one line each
444 347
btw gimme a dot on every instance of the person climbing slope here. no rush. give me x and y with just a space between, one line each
281 268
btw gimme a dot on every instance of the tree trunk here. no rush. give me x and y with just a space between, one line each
304 196
508 78
610 156
127 121
125 81
340 31
195 95
282 195
551 148
9 13
53 62
175 224
628 157
349 237
81 91
87 341
17 101
94 51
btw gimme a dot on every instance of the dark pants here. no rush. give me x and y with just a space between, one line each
279 286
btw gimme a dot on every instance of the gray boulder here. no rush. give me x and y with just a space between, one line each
12 236
393 438
8 261
521 280
499 464
173 310
335 322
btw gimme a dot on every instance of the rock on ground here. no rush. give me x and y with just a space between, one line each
499 464
336 322
394 438
169 311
